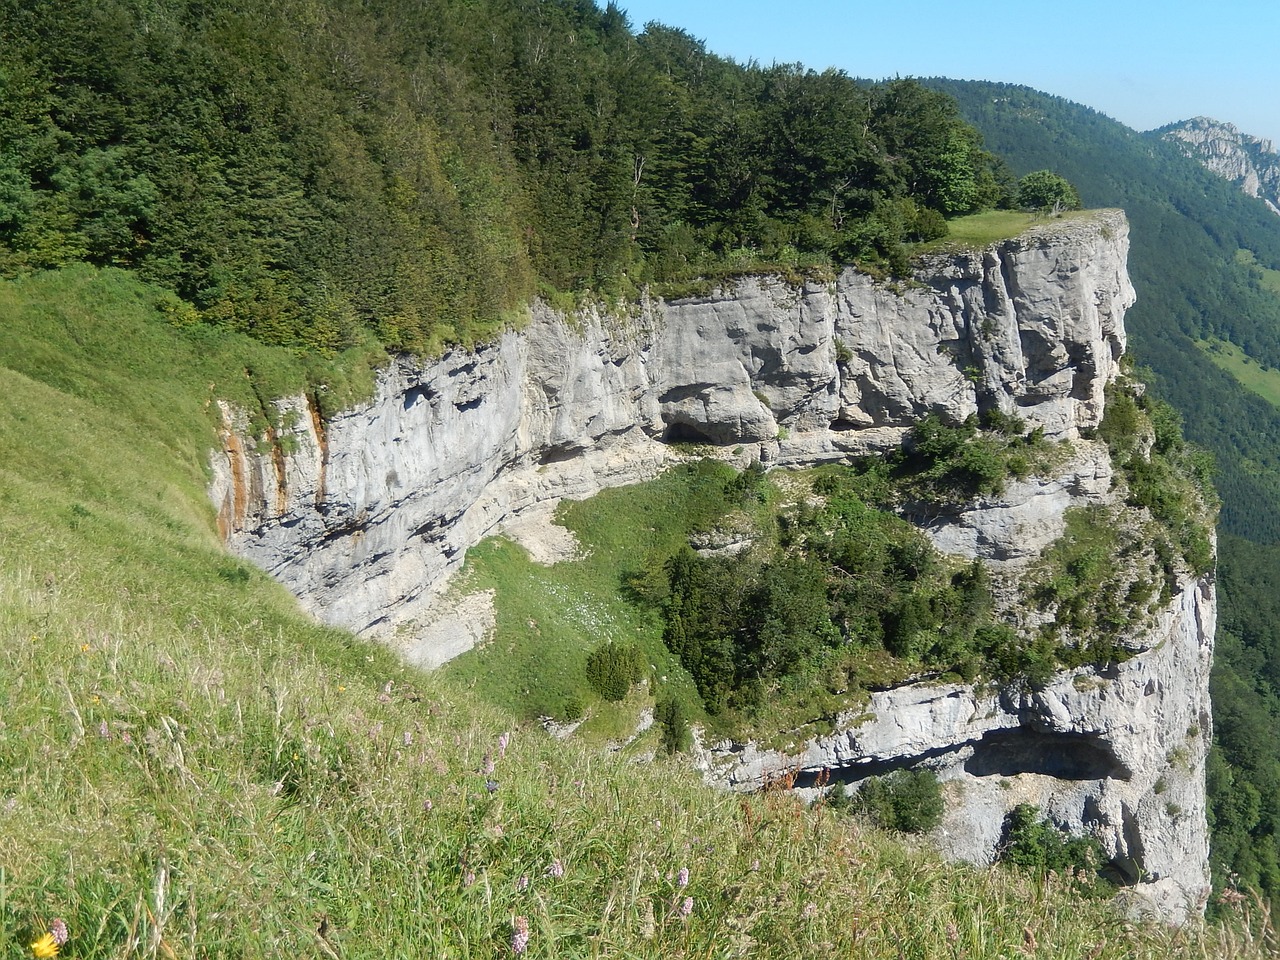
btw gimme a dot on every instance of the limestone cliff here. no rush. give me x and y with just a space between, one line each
1249 162
366 515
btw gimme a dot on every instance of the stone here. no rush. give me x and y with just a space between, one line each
1249 162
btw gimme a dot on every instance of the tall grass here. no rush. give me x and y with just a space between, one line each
190 767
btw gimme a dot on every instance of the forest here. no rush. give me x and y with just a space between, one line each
316 174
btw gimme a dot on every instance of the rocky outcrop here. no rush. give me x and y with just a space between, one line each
1115 752
366 515
1250 163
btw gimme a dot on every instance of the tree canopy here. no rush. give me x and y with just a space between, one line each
316 171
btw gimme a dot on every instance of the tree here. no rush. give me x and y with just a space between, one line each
1046 190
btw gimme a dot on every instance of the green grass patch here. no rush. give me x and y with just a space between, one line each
1267 277
1250 374
549 619
990 226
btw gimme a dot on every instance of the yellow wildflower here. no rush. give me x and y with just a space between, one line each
45 946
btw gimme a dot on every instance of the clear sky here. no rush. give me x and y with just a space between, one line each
1143 63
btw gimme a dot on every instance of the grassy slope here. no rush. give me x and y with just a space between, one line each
188 766
1227 356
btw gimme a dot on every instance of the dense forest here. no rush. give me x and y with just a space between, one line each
314 173
1193 284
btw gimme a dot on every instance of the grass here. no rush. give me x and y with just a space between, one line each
988 227
191 767
1247 371
550 618
1268 277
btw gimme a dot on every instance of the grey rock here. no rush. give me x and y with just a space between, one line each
1250 163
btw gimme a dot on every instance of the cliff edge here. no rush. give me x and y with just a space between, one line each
366 515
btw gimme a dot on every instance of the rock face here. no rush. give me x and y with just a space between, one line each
1249 162
1117 753
366 515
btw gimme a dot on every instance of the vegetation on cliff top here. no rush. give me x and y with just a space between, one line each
306 172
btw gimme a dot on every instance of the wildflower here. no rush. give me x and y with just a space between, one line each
427 805
953 933
488 764
503 741
682 878
59 930
45 946
686 907
468 878
103 731
522 884
519 935
755 866
408 737
810 911
556 869
491 785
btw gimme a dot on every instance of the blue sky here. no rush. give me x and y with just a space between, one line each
1143 63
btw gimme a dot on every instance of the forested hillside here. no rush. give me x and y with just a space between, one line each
1194 286
313 173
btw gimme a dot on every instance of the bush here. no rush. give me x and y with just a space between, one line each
1036 843
613 668
671 716
909 801
1046 190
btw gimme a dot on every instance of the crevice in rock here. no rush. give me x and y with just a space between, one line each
1007 753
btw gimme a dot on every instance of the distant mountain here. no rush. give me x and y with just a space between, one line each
1250 163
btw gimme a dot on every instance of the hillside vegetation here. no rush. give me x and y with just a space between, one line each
317 172
191 767
1203 263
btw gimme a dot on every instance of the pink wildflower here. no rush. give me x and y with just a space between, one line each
519 935
522 884
427 805
686 907
59 930
503 741
103 731
810 911
488 764
556 869
682 878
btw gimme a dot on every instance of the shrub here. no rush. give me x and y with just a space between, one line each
671 716
909 801
613 668
1038 844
